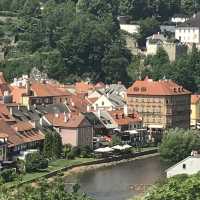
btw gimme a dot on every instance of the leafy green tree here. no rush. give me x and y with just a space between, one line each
148 26
179 187
57 145
35 162
44 191
177 144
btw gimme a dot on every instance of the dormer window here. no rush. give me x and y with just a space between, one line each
136 89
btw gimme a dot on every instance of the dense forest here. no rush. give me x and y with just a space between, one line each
81 39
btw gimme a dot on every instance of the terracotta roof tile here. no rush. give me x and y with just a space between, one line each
46 89
83 87
157 88
119 117
66 121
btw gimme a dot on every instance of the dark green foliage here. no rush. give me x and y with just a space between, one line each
184 71
8 175
35 162
179 187
178 144
148 26
52 145
85 152
54 190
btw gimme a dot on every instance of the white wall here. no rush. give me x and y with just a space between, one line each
130 28
192 166
188 34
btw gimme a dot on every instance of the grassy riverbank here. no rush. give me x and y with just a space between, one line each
53 166
60 164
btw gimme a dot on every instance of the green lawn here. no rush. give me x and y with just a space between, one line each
53 166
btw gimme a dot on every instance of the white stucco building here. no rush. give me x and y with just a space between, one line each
189 31
189 166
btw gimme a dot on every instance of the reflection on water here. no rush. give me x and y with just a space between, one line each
122 181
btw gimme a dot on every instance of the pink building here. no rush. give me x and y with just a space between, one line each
74 128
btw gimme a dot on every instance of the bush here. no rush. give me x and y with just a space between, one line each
8 175
85 152
76 151
70 155
35 162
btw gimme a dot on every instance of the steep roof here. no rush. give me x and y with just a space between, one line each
72 120
5 114
156 88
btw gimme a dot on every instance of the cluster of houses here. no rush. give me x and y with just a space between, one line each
84 113
176 38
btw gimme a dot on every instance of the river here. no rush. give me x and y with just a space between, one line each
122 181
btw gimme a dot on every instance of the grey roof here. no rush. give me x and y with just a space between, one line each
52 108
192 22
94 120
117 100
115 89
23 114
168 28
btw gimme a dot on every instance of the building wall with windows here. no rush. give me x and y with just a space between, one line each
166 109
188 34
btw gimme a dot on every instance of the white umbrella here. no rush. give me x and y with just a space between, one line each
117 147
103 150
126 146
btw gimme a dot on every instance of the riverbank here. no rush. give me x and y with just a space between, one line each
79 164
82 169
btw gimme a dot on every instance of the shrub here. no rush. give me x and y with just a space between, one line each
85 152
35 162
8 175
76 151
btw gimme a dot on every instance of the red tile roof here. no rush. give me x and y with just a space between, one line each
195 98
83 87
17 93
5 114
120 118
73 121
157 88
16 138
46 89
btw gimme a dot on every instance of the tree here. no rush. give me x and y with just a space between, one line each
179 187
148 26
34 162
57 145
52 145
177 144
43 191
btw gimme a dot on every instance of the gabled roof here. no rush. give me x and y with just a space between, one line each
73 120
5 114
157 88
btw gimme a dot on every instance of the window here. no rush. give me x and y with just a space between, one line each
102 103
184 166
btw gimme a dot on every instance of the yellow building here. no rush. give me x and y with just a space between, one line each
195 110
161 104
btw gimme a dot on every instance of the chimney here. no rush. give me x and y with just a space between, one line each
11 111
126 110
16 129
65 117
56 115
28 87
99 113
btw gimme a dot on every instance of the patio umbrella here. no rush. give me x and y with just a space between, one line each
117 147
126 146
103 150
